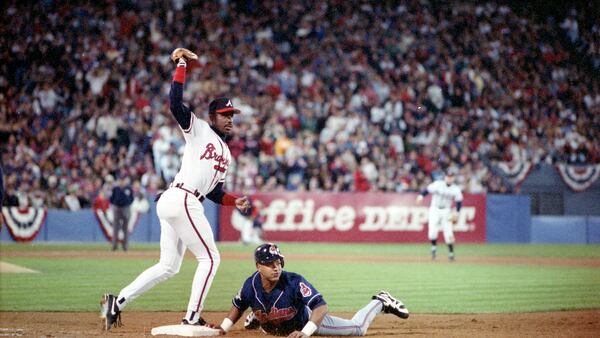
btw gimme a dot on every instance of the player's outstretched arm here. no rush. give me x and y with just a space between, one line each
316 317
219 196
232 317
182 113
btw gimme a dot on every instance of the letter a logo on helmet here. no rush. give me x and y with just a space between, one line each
229 104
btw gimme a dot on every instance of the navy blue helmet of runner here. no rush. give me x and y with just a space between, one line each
267 253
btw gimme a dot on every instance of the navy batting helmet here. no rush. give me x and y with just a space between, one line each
267 253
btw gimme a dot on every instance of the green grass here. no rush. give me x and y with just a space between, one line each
487 250
75 284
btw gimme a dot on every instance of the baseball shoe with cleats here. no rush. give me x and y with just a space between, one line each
199 322
392 305
251 322
109 311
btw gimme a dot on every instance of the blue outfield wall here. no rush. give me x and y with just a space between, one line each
508 218
551 229
82 226
68 226
593 229
565 229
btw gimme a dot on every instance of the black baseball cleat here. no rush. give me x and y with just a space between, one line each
251 322
391 304
200 322
110 312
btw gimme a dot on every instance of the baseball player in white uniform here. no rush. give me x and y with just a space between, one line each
441 217
206 159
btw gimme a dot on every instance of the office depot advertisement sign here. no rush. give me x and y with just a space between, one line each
352 217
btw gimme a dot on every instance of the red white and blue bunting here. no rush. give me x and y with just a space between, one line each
516 171
24 223
578 177
105 220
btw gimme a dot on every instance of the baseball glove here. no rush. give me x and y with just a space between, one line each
183 53
454 217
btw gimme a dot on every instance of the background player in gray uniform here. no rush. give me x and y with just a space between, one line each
284 303
441 217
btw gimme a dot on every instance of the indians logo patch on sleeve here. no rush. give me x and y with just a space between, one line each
305 290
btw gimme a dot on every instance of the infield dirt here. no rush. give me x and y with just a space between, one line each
139 324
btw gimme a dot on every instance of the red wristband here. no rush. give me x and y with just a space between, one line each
229 199
179 75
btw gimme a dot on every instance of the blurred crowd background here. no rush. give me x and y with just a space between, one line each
335 95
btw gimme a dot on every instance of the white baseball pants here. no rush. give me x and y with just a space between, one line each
183 225
439 219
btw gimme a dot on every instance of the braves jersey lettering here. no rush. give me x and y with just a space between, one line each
210 154
285 308
205 160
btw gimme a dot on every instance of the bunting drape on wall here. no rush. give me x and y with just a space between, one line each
578 177
24 224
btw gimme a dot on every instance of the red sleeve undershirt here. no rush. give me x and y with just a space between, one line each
179 75
229 199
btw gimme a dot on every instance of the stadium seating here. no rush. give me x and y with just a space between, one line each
335 96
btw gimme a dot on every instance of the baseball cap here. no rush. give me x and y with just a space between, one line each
222 105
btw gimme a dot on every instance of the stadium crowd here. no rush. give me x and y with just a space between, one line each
336 96
587 39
